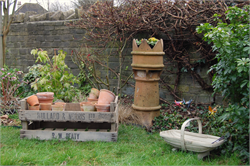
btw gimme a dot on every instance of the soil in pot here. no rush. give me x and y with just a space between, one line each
102 107
45 106
106 97
32 100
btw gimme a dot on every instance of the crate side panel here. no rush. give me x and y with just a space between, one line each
74 135
63 116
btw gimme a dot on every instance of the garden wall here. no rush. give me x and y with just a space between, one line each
50 35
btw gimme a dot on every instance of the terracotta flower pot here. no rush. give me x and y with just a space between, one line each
60 103
83 103
106 97
45 97
34 107
95 92
45 106
93 101
58 107
92 96
102 107
88 107
32 100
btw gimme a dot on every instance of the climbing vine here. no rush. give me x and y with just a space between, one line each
107 25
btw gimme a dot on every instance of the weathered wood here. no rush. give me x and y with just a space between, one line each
71 123
63 116
23 104
24 125
74 135
114 126
113 104
72 107
202 155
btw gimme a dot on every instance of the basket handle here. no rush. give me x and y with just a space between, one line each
183 128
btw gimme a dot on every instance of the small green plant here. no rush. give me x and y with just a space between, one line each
55 76
31 76
9 90
151 41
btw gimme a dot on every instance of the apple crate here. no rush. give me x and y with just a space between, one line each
71 124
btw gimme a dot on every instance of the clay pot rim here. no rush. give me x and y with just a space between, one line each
59 103
45 93
45 103
85 102
34 100
108 91
103 105
92 99
45 98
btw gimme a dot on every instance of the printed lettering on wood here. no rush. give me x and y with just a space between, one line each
67 116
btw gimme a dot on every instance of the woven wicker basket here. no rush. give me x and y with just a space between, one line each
196 142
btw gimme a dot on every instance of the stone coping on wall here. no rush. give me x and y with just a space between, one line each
49 16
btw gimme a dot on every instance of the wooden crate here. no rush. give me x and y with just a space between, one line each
69 124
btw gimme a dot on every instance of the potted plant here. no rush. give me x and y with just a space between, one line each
147 66
55 76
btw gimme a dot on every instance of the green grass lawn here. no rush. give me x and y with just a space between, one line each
134 147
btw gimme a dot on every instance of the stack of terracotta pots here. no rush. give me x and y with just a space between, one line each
104 100
98 101
33 103
41 101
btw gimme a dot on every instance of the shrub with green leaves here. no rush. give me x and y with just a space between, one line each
55 76
231 42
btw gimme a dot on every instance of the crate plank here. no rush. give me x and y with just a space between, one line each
63 116
24 125
113 104
114 126
74 135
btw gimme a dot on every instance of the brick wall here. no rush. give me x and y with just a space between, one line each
50 35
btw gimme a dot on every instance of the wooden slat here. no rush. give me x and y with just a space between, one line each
74 135
24 125
23 105
63 116
113 104
114 126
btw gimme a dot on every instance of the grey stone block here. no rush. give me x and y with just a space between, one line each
68 13
57 16
27 14
48 38
72 16
66 37
128 90
40 38
49 28
19 18
44 32
64 44
23 51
